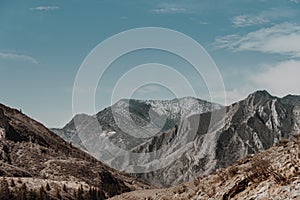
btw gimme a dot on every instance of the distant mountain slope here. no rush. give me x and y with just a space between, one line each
28 149
138 117
272 174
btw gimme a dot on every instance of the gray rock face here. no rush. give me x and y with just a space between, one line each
251 125
129 123
247 127
272 174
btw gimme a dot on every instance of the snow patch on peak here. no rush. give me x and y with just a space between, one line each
274 114
257 142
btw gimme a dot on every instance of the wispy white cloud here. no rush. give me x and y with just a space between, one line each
18 57
45 8
281 79
263 17
198 21
295 1
227 41
281 38
231 96
149 89
167 8
203 22
246 20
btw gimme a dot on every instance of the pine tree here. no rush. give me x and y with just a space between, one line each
12 183
19 180
58 196
65 189
43 194
4 190
48 187
92 194
74 194
100 195
80 193
23 192
32 195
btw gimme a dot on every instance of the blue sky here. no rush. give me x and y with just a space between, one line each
255 44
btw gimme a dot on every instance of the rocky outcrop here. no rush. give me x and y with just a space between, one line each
250 126
272 174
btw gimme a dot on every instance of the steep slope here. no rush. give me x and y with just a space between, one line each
272 174
249 126
30 151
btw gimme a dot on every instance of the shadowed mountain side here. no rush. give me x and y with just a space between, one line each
28 149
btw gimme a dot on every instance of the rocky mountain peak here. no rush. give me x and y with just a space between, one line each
292 99
262 93
258 97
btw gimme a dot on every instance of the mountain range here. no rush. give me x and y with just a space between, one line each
130 122
249 149
200 136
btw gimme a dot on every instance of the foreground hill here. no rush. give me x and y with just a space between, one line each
34 161
272 174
